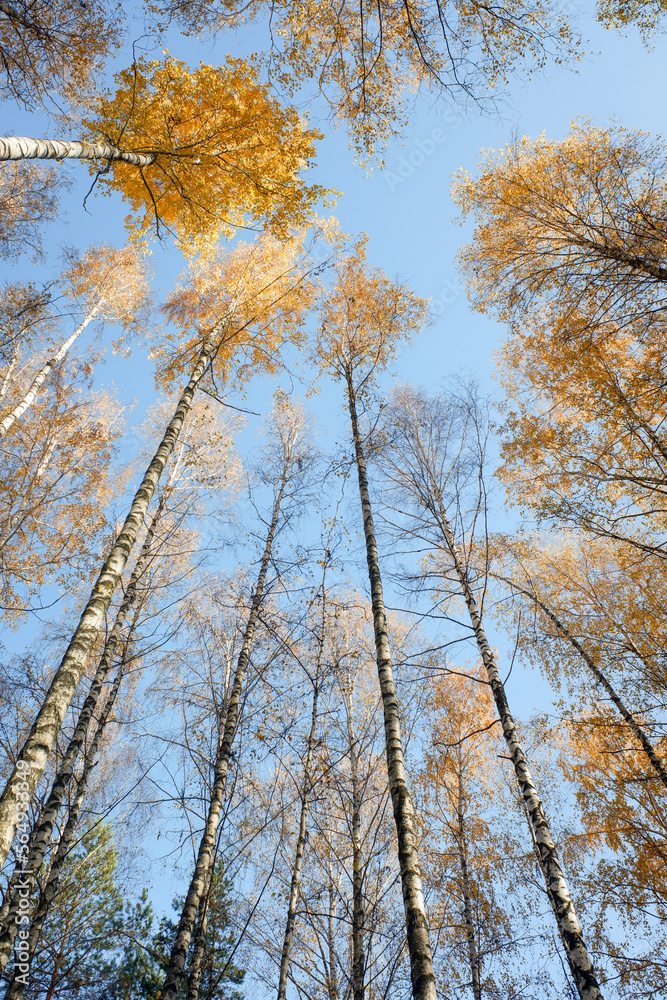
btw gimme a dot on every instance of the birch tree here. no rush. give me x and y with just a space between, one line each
476 869
256 290
577 225
590 611
436 445
361 321
291 458
109 284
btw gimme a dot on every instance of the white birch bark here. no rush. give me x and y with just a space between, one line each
201 876
46 726
42 834
419 948
24 148
42 375
557 887
10 369
16 987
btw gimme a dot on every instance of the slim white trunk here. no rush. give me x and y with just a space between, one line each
10 369
201 876
41 376
24 148
557 888
417 931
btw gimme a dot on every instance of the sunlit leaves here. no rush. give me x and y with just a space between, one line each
224 150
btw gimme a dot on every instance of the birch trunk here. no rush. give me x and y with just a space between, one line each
42 375
16 987
627 715
23 148
303 817
47 724
10 369
331 932
557 888
421 962
202 873
43 832
197 963
473 955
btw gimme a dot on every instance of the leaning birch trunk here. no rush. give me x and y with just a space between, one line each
202 873
48 722
42 375
557 888
43 832
22 969
23 148
473 956
303 817
633 725
419 948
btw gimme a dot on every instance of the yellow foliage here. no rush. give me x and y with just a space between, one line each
251 300
363 319
579 223
369 58
224 150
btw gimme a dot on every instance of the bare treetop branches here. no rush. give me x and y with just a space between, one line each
368 57
47 47
28 200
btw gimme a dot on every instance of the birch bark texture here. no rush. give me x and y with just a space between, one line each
24 148
47 724
45 371
293 460
421 431
361 322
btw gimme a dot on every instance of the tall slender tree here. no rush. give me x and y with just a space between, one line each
436 444
291 460
361 322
